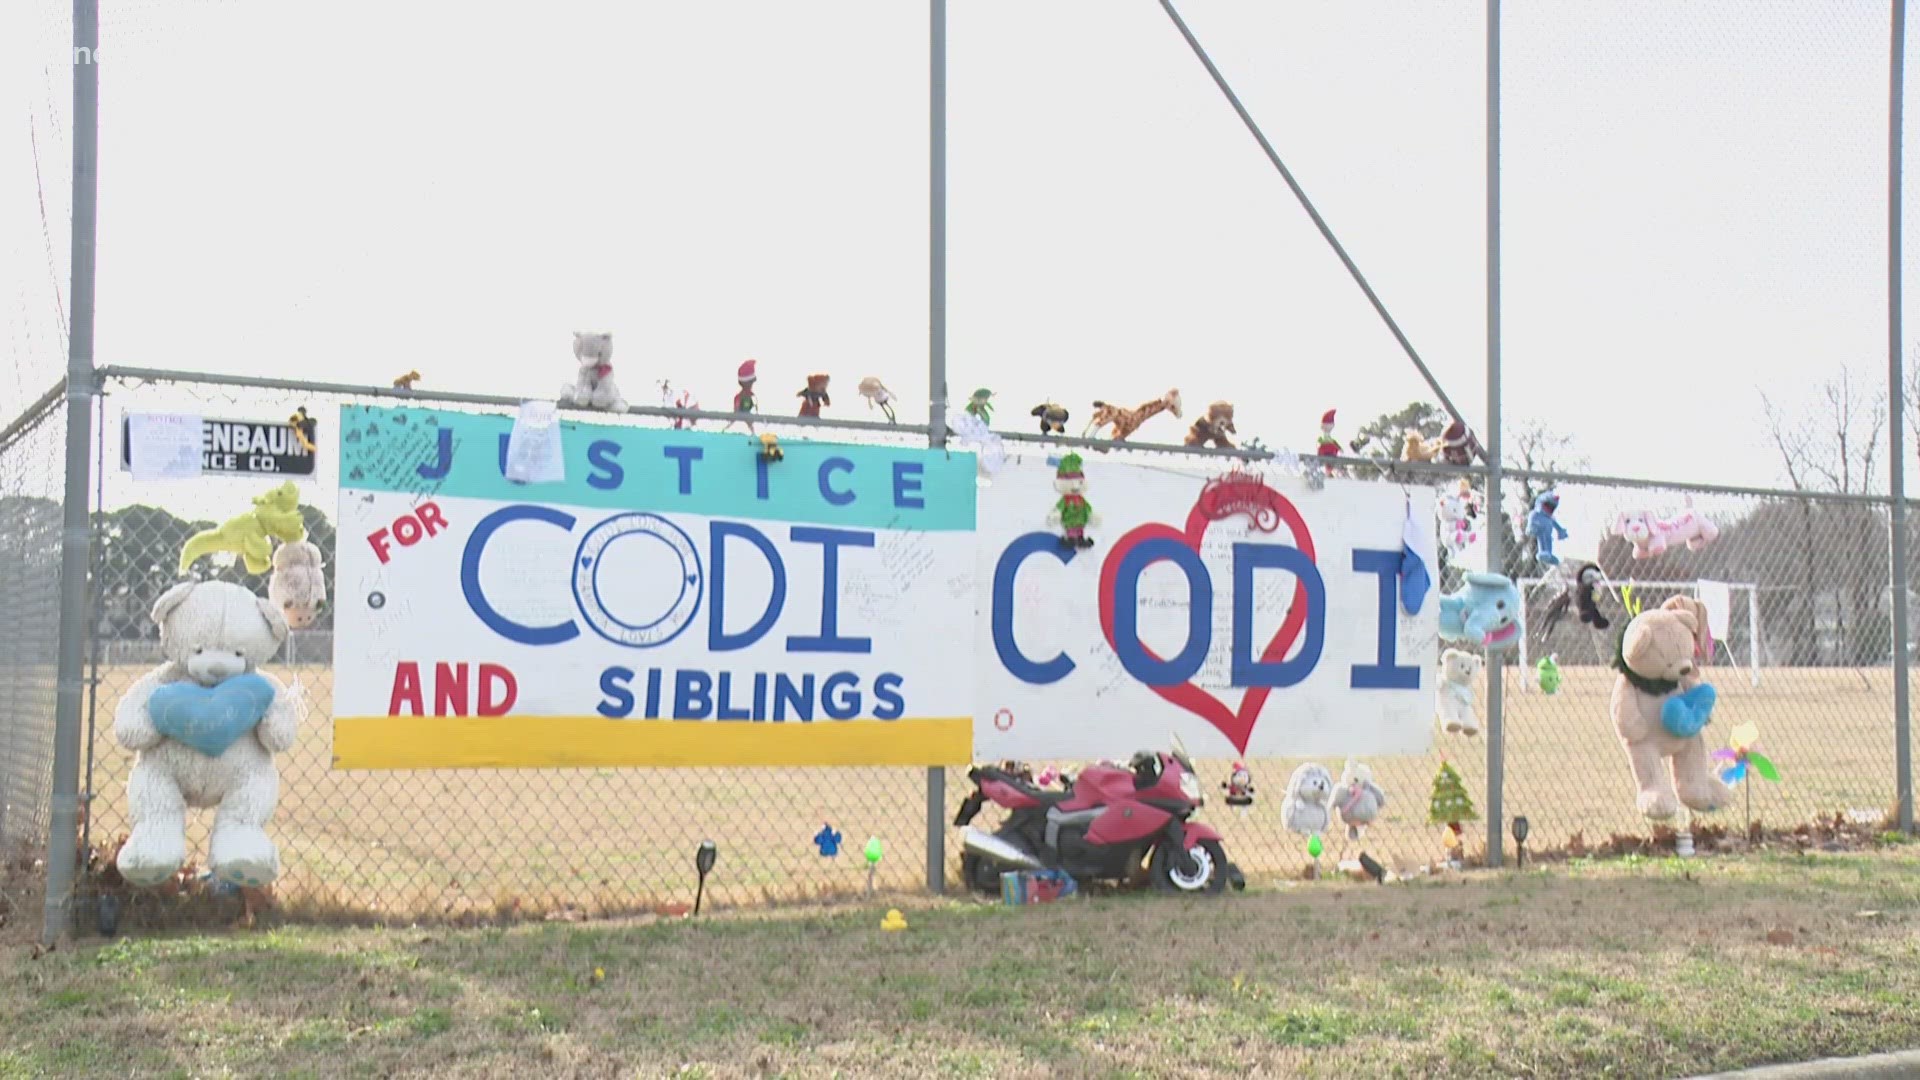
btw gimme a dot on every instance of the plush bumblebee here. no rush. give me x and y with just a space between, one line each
1053 418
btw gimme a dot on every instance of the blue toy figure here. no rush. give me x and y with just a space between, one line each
1485 612
1543 528
828 841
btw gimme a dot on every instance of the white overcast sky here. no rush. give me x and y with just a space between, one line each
1694 203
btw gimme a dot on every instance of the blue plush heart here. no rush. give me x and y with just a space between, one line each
210 718
1683 715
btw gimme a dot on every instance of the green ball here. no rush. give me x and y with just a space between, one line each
1313 846
873 849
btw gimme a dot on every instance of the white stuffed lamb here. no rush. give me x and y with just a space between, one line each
1357 798
1455 695
593 385
205 726
1304 810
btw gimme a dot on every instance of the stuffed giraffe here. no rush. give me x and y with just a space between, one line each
1125 421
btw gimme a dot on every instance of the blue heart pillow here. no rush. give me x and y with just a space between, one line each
210 718
1684 715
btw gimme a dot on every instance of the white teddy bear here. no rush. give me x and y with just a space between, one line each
593 386
1304 810
1455 695
204 727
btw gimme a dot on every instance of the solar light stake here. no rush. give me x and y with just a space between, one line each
1520 829
703 860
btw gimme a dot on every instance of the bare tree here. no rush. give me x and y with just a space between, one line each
1835 446
1533 447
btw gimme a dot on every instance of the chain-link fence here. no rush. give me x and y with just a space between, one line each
31 473
1804 654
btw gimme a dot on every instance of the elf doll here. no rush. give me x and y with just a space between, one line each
1072 513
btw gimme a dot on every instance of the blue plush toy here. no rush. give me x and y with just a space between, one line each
1685 714
828 840
210 718
1486 611
1543 528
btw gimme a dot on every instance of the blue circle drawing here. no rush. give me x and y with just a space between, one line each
586 580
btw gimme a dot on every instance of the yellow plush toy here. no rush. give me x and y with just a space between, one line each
250 535
1417 448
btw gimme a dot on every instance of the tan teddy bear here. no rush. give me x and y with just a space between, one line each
1660 707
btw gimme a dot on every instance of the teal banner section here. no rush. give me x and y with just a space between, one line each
614 467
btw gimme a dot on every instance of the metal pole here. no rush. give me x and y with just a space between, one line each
75 537
1896 424
1753 632
1326 231
937 364
1496 538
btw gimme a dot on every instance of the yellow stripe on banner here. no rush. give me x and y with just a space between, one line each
509 742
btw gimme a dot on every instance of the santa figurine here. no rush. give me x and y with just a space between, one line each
1072 513
743 401
1239 787
1329 446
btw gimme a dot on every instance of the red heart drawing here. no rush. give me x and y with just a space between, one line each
1236 725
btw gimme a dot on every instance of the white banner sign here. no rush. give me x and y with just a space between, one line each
1252 617
667 598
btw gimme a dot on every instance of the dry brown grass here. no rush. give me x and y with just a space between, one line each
1629 968
519 843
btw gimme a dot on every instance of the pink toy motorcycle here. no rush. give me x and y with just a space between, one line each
1111 820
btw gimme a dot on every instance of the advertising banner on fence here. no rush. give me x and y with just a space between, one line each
674 598
1251 616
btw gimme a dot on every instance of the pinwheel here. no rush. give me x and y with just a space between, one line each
1744 754
1743 757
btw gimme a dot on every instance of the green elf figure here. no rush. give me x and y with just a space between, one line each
1072 514
980 406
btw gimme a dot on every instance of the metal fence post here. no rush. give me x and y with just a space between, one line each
937 363
75 537
1496 554
1896 422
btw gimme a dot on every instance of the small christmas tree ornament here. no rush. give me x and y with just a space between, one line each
1450 805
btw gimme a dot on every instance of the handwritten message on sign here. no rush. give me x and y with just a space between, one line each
674 600
1249 615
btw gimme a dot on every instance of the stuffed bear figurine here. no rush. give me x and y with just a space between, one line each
1309 790
1454 698
593 386
204 727
298 586
1660 707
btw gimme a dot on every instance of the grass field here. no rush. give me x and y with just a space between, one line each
454 843
1629 968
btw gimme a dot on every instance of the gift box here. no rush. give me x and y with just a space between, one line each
1035 886
1013 887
